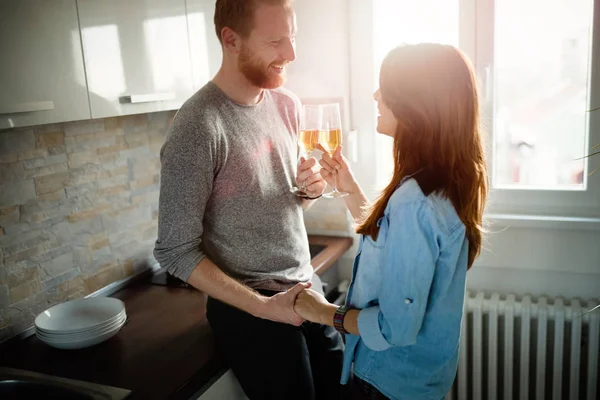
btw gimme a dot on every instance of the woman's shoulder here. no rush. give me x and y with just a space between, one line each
407 192
431 204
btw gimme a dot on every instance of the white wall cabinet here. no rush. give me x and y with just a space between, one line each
42 77
137 55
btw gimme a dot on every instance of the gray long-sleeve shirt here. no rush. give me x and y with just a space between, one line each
225 179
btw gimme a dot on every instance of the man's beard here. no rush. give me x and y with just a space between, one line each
256 73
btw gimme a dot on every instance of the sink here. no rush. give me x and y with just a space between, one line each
19 384
315 249
22 389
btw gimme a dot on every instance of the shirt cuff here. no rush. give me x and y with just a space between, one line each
186 265
370 331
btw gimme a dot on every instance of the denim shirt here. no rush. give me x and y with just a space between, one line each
410 287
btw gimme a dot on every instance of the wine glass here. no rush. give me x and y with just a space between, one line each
308 138
331 138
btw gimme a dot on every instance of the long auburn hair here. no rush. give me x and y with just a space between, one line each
432 91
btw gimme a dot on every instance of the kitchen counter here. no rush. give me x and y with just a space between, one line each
165 346
165 350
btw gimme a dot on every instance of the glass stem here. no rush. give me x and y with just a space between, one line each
335 180
302 184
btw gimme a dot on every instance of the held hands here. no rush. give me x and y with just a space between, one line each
314 307
309 176
280 307
297 305
344 177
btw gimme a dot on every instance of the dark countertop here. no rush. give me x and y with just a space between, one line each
165 350
166 343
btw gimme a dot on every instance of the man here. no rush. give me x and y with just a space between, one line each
228 224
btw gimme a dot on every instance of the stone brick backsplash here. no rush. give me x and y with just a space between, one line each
78 209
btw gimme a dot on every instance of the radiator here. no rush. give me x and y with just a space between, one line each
525 348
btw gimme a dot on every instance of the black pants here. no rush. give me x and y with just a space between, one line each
361 390
278 361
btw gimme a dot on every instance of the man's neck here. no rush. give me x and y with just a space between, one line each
235 85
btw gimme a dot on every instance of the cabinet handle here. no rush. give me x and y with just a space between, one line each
148 98
27 107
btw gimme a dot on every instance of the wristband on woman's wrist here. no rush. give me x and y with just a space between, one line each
338 319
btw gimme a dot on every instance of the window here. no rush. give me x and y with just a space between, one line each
534 61
540 67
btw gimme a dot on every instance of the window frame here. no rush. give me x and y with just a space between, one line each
475 37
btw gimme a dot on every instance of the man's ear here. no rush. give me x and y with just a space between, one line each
231 40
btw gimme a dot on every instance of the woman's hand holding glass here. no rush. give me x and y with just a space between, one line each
335 169
330 140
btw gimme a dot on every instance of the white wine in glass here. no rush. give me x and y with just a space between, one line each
331 139
308 138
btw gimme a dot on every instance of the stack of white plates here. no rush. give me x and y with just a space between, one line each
80 323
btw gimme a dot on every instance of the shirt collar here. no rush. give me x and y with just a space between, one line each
407 177
427 180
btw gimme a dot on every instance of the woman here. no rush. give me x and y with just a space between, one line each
404 308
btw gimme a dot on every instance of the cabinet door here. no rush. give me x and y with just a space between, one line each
137 55
226 387
205 48
42 77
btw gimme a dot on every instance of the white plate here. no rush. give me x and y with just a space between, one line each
79 315
81 336
59 341
80 344
102 327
